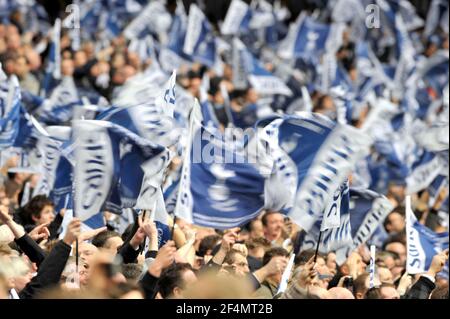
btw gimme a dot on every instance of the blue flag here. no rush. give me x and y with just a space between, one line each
215 191
422 244
307 38
199 42
53 70
368 210
114 168
263 81
317 156
237 19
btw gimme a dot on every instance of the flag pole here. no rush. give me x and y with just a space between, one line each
173 227
66 203
317 247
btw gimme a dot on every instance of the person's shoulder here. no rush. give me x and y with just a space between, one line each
263 291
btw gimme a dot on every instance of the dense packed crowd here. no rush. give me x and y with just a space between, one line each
126 259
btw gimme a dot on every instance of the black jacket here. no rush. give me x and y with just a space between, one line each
421 289
49 272
30 248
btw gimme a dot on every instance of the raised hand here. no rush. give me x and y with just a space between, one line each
164 258
40 232
73 231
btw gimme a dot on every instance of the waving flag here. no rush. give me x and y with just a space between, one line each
367 213
424 170
437 16
11 111
306 38
434 138
95 222
154 17
237 18
321 155
435 188
261 80
61 194
171 56
334 227
49 145
152 120
422 243
113 167
58 108
53 70
199 42
214 192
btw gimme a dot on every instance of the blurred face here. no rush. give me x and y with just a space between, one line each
396 192
21 67
252 96
389 262
83 273
257 230
67 67
396 223
47 215
80 59
399 249
389 293
188 278
385 275
274 226
331 262
21 281
113 243
87 251
13 41
34 60
240 265
357 260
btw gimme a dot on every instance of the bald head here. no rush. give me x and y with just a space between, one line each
319 292
340 293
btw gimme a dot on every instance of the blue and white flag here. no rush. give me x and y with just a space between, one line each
260 79
153 119
434 137
58 108
217 187
95 222
172 56
153 18
437 16
367 213
49 145
424 170
334 228
332 214
435 188
199 42
53 70
422 243
307 38
61 194
159 215
321 155
237 19
11 111
114 168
